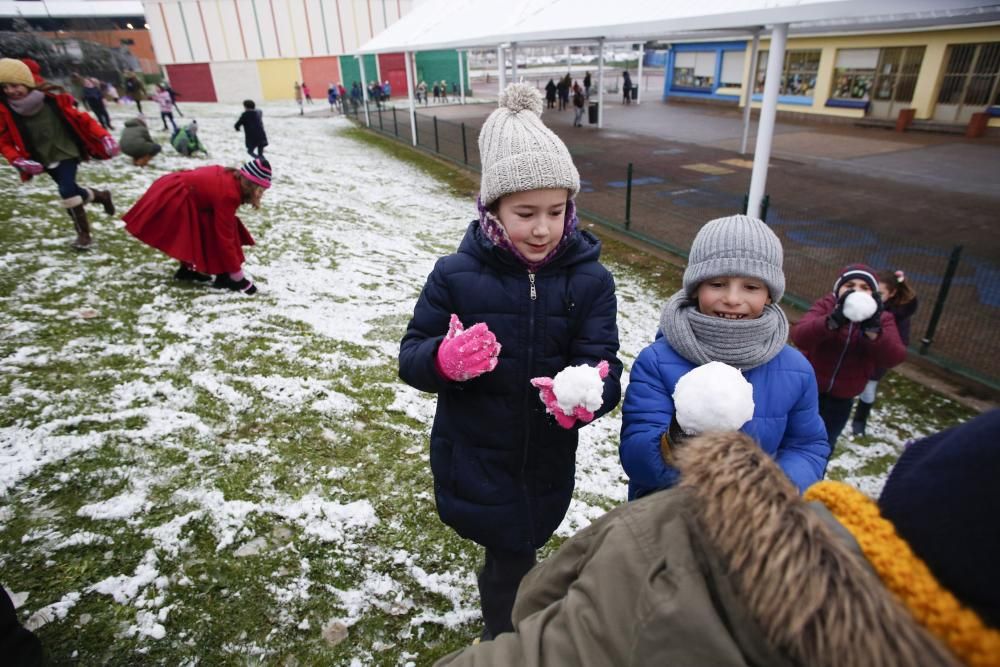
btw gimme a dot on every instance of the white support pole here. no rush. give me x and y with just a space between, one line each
501 70
638 93
768 112
461 77
364 88
513 62
407 63
748 86
569 63
600 84
378 70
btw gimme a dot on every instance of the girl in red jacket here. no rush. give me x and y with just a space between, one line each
191 216
845 353
41 131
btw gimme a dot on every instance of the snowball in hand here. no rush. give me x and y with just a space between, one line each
859 306
578 385
713 397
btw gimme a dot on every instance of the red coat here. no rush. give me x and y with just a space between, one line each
87 132
844 359
191 216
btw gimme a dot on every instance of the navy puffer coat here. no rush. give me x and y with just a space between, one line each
503 469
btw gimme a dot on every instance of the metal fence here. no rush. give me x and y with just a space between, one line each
955 327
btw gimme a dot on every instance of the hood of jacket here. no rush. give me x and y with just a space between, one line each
800 573
581 246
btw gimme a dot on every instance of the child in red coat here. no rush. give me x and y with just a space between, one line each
191 216
41 131
845 352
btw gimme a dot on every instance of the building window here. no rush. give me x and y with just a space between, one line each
854 73
970 77
732 69
897 72
798 76
694 69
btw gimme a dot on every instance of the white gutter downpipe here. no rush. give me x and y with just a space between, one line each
461 77
748 93
600 84
638 92
768 112
364 88
501 70
407 63
513 63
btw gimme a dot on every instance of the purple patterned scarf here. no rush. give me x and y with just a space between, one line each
495 232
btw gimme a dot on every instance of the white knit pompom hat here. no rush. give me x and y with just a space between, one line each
518 153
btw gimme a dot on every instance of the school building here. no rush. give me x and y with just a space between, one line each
230 50
943 75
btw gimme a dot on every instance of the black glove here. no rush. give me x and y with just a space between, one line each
874 323
837 319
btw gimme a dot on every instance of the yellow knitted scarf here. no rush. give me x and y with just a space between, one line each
910 580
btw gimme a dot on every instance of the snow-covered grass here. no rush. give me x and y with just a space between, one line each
190 476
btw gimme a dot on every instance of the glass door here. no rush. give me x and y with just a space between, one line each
895 80
970 82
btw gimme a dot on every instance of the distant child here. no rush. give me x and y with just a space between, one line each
845 353
525 296
331 96
727 311
306 92
191 216
41 131
252 122
298 97
137 143
900 300
166 104
186 142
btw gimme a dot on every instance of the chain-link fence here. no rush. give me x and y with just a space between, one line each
659 202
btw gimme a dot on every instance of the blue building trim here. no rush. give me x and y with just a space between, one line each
801 100
994 111
703 93
847 104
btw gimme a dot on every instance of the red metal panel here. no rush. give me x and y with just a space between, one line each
393 69
193 82
319 73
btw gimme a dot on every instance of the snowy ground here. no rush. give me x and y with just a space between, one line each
188 475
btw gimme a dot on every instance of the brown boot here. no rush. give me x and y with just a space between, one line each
103 197
83 240
142 161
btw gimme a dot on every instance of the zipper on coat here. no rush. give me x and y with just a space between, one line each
836 369
534 294
527 422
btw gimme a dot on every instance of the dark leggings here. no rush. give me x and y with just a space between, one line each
498 579
64 174
834 412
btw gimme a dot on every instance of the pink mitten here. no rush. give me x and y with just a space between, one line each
467 353
111 147
546 391
29 167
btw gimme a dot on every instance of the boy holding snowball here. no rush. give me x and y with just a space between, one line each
847 335
523 299
726 312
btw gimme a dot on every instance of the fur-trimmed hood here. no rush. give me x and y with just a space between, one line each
798 571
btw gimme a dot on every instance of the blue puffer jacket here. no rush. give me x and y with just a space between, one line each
786 421
503 469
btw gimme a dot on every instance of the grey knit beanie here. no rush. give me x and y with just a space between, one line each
736 246
518 152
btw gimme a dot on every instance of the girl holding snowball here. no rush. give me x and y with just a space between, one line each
725 312
847 335
522 299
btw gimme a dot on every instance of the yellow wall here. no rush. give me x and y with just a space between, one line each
278 77
928 81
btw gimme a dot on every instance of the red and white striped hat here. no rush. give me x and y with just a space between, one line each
258 171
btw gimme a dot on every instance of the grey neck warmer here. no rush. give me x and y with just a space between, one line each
744 344
28 105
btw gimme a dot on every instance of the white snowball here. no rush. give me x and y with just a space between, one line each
713 397
859 306
578 385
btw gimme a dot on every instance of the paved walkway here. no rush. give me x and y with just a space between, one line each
838 194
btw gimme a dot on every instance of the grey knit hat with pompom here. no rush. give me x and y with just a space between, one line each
518 152
736 246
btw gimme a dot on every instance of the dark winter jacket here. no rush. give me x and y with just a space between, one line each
503 469
135 140
252 122
844 358
786 422
903 314
732 568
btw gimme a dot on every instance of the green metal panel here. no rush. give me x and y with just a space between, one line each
352 72
437 65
